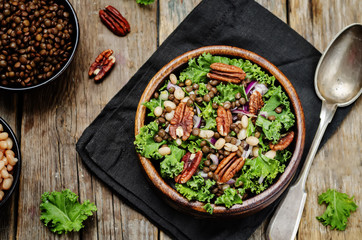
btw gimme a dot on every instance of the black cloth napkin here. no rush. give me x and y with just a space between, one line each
106 146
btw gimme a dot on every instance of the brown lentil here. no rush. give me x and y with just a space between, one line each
271 118
257 134
195 86
171 90
35 41
196 131
278 110
207 162
242 101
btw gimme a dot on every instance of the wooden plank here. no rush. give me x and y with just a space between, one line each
54 118
338 164
8 103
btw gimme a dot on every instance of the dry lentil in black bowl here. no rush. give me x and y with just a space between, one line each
10 162
38 40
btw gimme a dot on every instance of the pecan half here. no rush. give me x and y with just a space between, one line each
223 121
191 163
182 122
228 167
255 103
114 21
283 143
103 63
226 73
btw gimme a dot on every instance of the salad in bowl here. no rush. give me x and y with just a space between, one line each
219 131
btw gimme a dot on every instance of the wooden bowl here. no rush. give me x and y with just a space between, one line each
253 204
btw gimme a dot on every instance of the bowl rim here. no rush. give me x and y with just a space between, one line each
66 65
257 202
17 151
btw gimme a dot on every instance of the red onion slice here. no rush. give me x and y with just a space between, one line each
198 110
264 114
261 88
246 154
214 159
231 181
212 140
169 85
197 121
240 111
250 86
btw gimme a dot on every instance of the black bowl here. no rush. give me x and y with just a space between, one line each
75 41
17 167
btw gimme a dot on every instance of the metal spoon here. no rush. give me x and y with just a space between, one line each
338 82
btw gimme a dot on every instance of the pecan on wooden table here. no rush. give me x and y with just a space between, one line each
114 21
223 121
255 103
228 167
226 73
103 64
283 143
191 163
182 122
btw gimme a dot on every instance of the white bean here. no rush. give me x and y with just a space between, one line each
206 134
170 115
242 134
255 151
10 143
6 184
1 128
185 99
2 164
4 135
173 78
158 111
164 151
3 145
4 173
179 94
9 152
178 141
271 154
170 104
244 121
252 141
230 147
11 160
10 168
220 143
1 195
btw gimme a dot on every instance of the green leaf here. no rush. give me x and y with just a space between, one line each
145 144
258 168
145 2
283 156
172 166
272 129
229 198
250 130
208 208
152 104
227 92
196 189
339 208
62 212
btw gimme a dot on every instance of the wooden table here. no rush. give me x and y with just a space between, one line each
49 122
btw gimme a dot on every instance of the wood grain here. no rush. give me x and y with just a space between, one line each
53 118
338 165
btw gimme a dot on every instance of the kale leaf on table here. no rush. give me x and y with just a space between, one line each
62 212
339 208
145 2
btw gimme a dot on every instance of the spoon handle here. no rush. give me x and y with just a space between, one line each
285 222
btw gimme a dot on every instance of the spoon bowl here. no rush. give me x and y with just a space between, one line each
338 78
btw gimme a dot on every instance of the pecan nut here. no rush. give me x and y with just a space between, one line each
191 163
223 121
226 73
255 103
182 122
283 143
114 21
103 64
228 167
